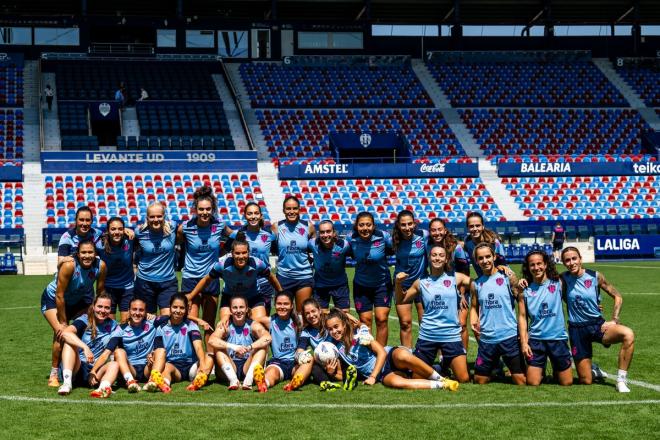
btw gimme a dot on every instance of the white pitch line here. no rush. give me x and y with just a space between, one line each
639 383
394 406
18 308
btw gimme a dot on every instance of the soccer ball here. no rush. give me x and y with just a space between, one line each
325 352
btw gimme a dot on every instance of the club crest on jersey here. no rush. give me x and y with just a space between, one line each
214 229
90 275
145 327
418 244
552 288
587 284
376 243
108 327
264 238
447 283
499 281
301 231
246 331
125 248
184 330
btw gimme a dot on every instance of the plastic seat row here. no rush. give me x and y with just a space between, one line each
580 158
11 133
526 84
11 85
182 119
175 143
274 85
128 195
12 205
645 81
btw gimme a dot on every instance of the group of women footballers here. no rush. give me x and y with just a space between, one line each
135 272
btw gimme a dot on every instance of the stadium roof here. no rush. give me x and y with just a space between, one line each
358 11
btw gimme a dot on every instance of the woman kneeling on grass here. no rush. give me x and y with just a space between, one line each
182 355
545 335
85 354
240 345
375 363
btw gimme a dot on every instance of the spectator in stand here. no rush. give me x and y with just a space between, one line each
50 94
143 94
558 238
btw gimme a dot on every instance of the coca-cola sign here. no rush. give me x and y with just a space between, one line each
432 168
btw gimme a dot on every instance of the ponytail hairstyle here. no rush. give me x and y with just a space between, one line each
311 301
240 240
397 235
290 197
91 317
449 241
244 299
318 231
449 264
482 245
361 215
550 268
487 235
83 208
106 236
180 296
570 249
167 226
347 339
205 193
84 243
250 204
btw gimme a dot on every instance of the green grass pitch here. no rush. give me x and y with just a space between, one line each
29 409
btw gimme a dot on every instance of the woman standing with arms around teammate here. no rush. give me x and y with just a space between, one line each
240 345
330 280
372 283
69 295
493 318
202 235
585 321
156 281
294 271
82 231
116 250
376 363
409 245
442 294
477 233
261 241
85 356
545 336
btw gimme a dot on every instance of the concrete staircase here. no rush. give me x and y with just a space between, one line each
52 139
129 122
31 97
605 66
271 190
438 97
499 193
241 92
34 215
461 132
228 105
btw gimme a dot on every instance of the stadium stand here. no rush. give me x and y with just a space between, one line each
340 200
555 131
127 195
11 84
11 134
12 205
645 81
526 84
273 85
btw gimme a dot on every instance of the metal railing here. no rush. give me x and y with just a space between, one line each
121 49
237 102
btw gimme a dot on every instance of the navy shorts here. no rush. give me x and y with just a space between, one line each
294 285
341 296
121 297
389 366
556 350
212 288
81 377
253 301
366 298
266 290
489 354
428 350
582 335
557 245
156 294
184 368
72 310
284 365
240 365
139 373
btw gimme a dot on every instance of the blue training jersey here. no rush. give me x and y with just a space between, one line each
371 266
202 247
497 313
292 240
81 284
411 257
442 302
261 244
155 254
463 256
582 297
285 338
545 311
329 264
68 244
104 332
239 335
311 337
138 341
119 264
360 356
178 340
239 281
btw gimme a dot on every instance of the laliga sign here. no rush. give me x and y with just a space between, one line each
435 168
